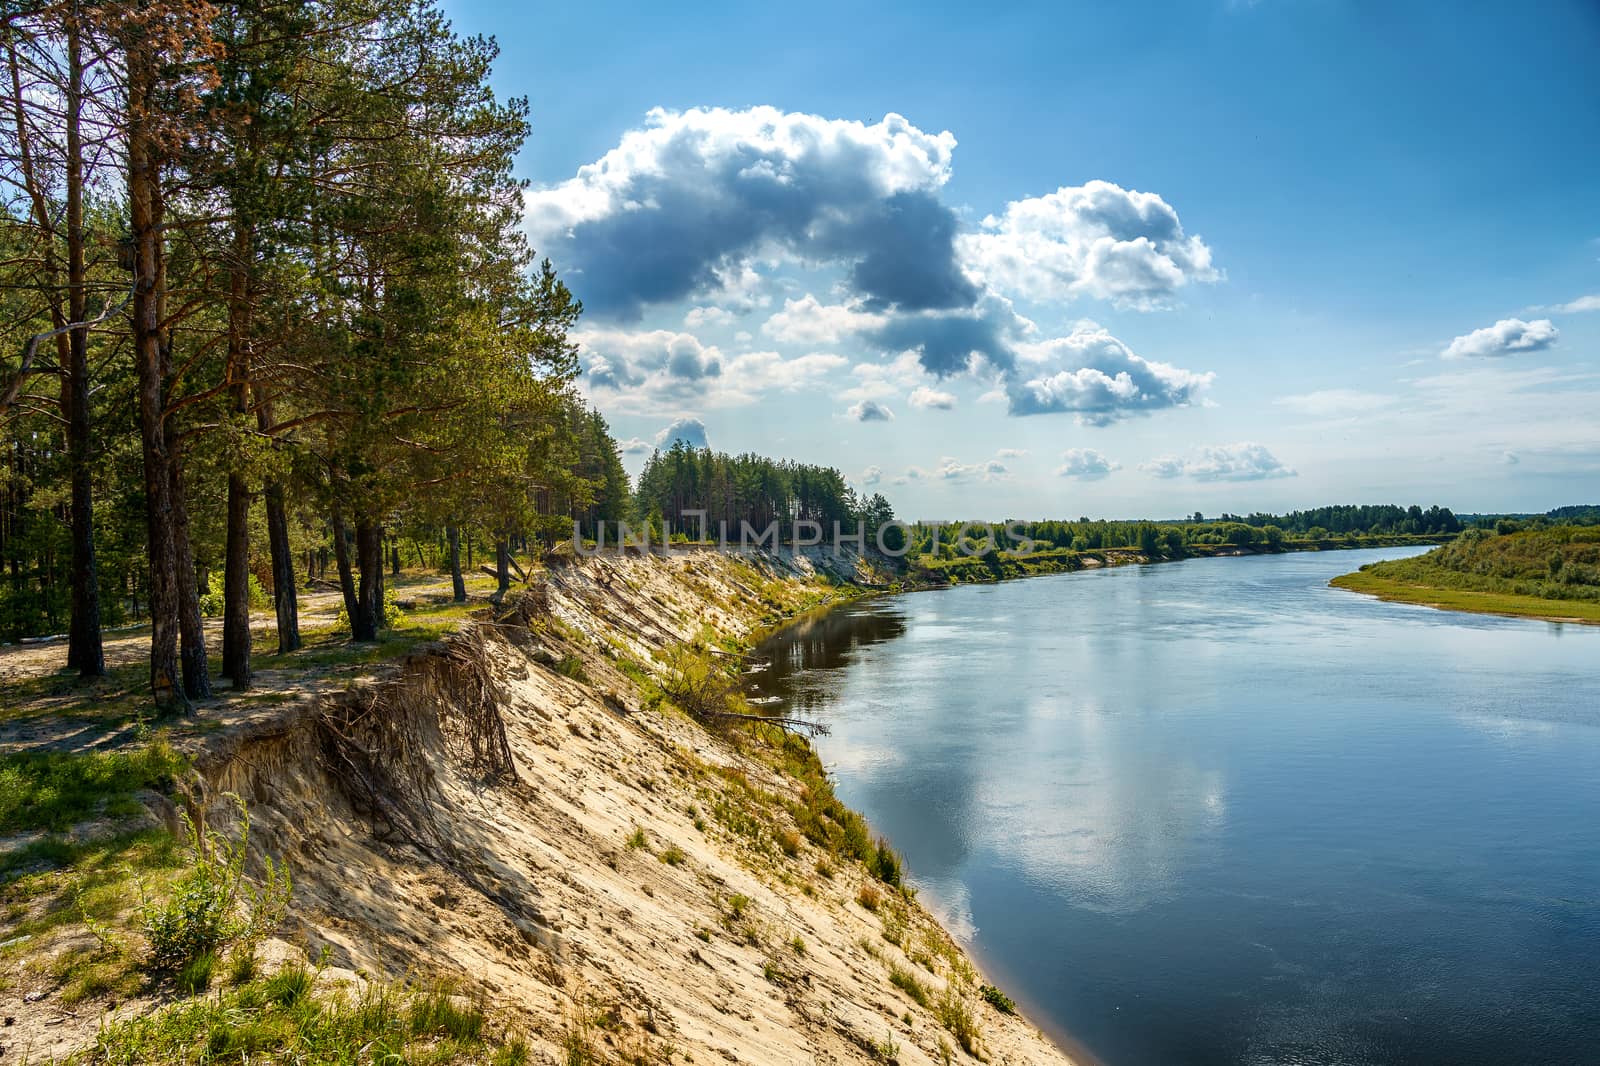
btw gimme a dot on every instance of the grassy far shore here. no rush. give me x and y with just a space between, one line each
1503 603
1550 572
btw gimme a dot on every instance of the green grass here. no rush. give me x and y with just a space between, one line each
53 790
572 666
52 886
956 1016
330 646
906 982
278 1018
1505 603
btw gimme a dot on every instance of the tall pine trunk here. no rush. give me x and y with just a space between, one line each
458 584
166 682
341 554
502 570
85 650
236 586
284 602
191 626
365 622
236 566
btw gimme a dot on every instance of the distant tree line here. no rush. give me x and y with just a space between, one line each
1343 524
734 490
1350 518
1577 515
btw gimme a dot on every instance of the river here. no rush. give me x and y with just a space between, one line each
1215 812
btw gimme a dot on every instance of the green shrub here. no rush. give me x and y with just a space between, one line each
213 603
698 684
998 999
213 906
572 666
392 614
885 864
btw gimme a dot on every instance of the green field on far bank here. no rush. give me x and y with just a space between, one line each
1541 572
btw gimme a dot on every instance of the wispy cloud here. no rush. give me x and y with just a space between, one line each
1244 461
1573 307
1335 403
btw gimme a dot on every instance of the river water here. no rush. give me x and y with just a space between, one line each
1215 812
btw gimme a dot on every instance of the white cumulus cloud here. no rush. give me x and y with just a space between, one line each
697 317
707 206
686 203
1095 376
923 396
661 370
1578 306
1086 464
953 469
691 431
810 321
870 411
877 381
1509 336
1096 239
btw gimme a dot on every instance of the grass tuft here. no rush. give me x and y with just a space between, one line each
906 982
956 1016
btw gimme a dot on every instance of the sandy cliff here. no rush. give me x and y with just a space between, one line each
617 881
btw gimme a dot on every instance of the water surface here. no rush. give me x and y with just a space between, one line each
1214 812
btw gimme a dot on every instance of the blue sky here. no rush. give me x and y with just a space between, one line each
1131 259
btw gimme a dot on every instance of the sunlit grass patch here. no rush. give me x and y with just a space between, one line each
1504 603
280 1018
53 790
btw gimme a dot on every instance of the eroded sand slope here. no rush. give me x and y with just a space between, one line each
610 876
